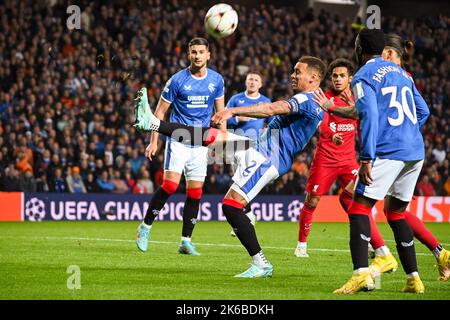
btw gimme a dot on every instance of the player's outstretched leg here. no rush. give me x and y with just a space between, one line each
145 120
249 213
260 266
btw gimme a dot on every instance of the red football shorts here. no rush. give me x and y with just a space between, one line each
321 178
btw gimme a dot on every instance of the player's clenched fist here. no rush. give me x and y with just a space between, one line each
221 116
337 139
151 150
365 172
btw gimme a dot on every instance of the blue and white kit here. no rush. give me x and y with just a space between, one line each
192 100
391 112
285 136
253 128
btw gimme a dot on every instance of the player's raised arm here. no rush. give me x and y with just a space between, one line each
423 112
262 110
328 105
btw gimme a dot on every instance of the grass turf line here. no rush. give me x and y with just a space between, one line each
35 256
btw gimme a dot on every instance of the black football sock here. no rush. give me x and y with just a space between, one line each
359 240
184 134
190 213
404 237
199 136
243 228
159 199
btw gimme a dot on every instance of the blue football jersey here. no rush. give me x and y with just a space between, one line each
391 111
193 98
286 135
252 128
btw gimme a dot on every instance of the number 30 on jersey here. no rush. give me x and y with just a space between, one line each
403 107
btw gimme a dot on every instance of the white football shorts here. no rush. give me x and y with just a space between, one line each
192 160
253 172
391 177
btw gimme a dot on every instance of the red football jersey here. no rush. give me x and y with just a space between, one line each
327 152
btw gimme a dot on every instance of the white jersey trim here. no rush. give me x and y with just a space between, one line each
162 97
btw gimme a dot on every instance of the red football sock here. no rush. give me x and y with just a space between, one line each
420 231
346 200
305 222
376 239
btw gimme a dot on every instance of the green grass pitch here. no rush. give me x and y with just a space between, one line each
35 257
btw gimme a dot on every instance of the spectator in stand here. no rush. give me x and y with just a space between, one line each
425 187
11 181
27 183
104 183
211 185
144 184
67 88
75 182
447 186
120 186
41 183
57 183
91 184
22 163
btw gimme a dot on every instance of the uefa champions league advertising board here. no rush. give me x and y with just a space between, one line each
111 207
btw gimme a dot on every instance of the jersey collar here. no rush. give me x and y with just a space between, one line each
252 98
373 59
198 78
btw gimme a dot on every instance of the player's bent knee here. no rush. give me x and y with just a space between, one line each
345 198
169 186
194 193
232 203
358 208
393 216
312 200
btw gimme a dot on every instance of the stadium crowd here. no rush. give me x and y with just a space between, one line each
66 96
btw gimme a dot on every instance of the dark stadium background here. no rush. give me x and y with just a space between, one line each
66 96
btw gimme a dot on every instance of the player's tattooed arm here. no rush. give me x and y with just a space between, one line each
327 105
261 110
348 112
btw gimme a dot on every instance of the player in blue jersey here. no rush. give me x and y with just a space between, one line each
398 51
245 126
294 123
391 112
193 94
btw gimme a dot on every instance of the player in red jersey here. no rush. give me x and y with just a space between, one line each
400 52
335 158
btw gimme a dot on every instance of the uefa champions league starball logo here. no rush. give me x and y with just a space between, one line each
294 210
35 209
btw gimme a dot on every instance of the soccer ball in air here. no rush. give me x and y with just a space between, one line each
221 20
